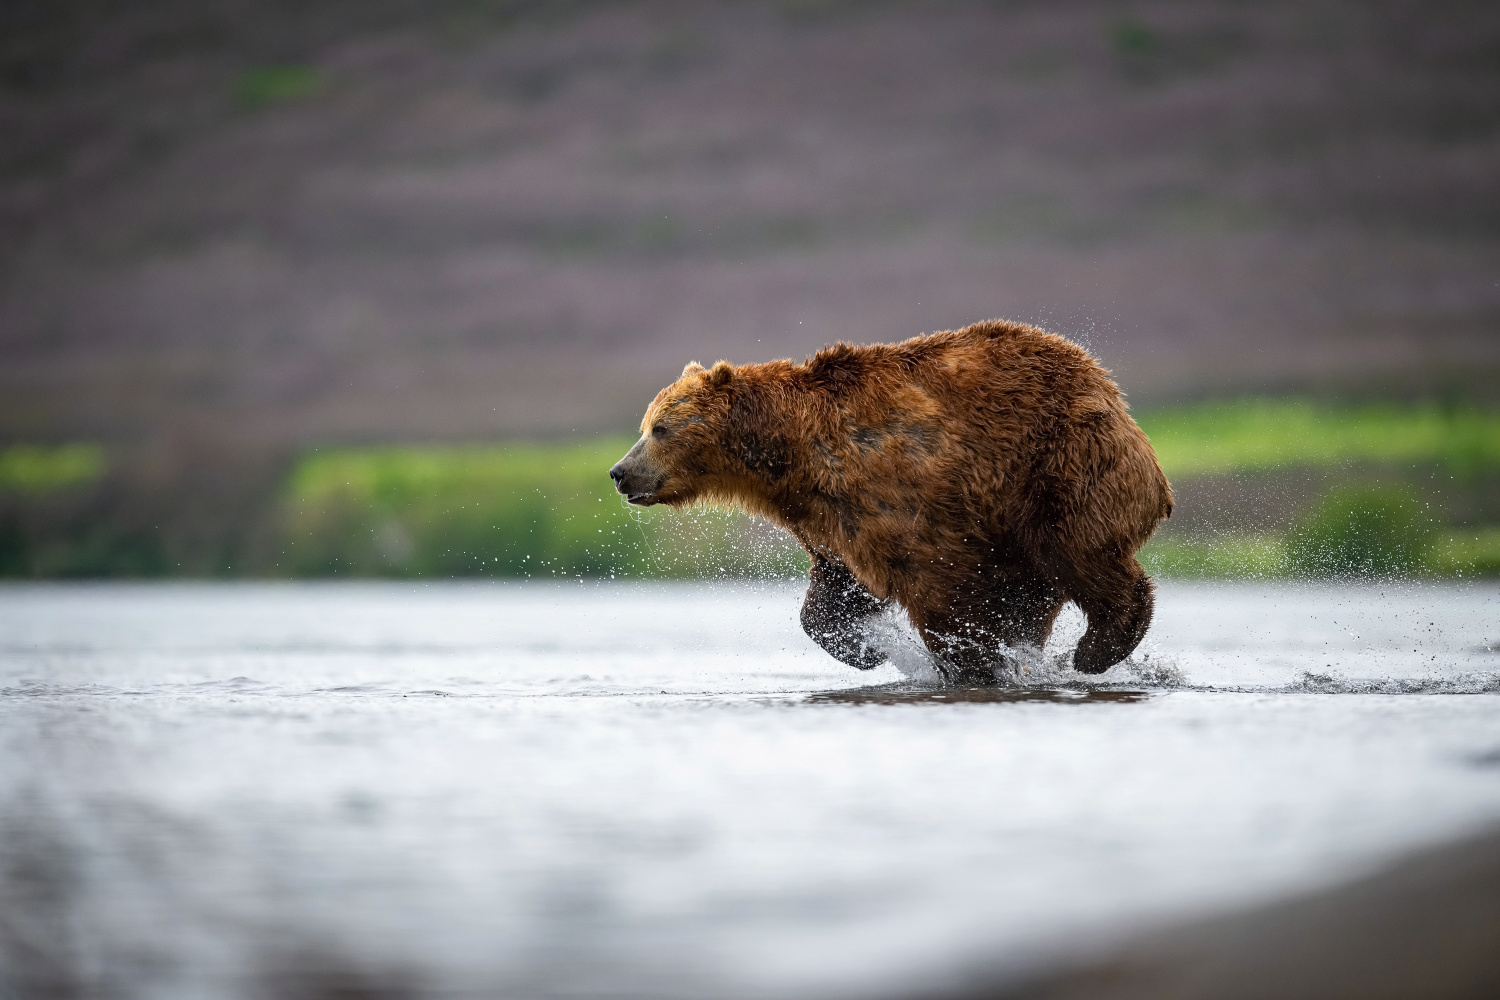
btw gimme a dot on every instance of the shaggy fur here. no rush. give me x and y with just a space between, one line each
980 478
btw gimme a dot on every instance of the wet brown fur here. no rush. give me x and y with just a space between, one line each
979 477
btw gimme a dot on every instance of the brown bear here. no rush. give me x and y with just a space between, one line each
979 478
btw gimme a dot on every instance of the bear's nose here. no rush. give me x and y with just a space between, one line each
617 474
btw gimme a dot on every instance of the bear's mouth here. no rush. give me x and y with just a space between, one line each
643 491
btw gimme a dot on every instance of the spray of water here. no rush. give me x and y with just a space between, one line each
1148 669
1022 666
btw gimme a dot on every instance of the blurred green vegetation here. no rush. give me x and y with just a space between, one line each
1353 531
263 85
1471 552
1455 553
1248 556
1361 531
549 510
518 510
29 469
1379 524
1260 434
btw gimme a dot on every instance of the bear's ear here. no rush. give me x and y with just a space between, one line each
692 367
720 374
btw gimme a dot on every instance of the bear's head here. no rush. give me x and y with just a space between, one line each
707 436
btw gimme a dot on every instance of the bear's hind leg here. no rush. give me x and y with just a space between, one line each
837 612
1119 606
962 658
972 643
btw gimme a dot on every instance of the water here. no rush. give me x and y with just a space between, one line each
662 790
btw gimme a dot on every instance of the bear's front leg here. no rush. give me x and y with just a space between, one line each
837 613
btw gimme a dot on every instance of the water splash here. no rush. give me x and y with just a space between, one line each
1022 666
1027 668
1467 683
893 635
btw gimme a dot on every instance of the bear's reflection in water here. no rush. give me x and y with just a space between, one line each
902 693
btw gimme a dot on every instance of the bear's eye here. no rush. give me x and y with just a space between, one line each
659 431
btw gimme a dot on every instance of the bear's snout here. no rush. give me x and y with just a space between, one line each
635 478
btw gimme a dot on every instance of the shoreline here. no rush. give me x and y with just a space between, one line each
1426 926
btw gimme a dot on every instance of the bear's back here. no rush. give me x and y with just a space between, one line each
1003 387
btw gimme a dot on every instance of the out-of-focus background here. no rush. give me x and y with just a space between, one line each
372 287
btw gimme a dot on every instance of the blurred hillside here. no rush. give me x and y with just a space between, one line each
253 225
239 234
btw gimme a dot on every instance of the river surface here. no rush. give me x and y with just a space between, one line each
633 790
